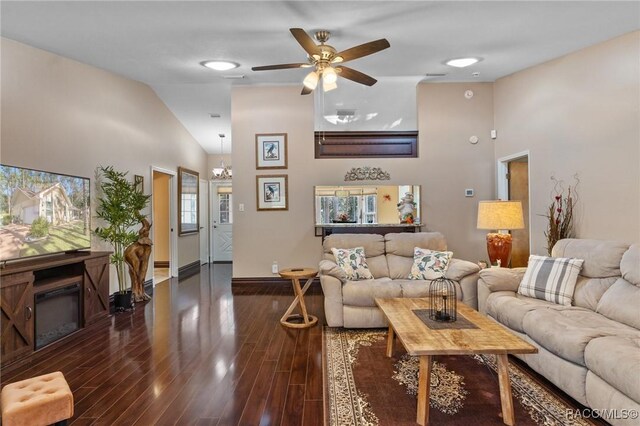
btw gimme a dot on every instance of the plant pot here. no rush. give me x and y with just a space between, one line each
123 301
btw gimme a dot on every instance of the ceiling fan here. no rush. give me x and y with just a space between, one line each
324 59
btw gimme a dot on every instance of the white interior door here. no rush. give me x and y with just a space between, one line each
204 221
221 221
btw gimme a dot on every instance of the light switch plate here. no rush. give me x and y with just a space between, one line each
468 192
241 207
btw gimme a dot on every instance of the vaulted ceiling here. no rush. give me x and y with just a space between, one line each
162 43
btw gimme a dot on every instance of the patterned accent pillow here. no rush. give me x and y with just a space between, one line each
353 262
429 264
551 278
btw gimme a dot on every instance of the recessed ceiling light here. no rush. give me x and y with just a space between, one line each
462 62
220 65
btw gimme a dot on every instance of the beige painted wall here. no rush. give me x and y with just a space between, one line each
388 210
161 226
579 114
63 116
450 164
447 164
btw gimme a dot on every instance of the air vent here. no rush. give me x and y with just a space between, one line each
234 77
345 112
214 115
432 74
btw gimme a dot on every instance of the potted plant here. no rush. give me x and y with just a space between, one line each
560 213
119 206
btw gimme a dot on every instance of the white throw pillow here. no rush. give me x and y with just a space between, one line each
353 262
429 264
551 278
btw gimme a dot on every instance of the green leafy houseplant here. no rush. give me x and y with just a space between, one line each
119 206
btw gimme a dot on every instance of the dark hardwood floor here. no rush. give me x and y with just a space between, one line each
196 354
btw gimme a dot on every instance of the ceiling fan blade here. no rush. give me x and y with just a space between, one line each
305 90
279 67
305 41
356 76
363 50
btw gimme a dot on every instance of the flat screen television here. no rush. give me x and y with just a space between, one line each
42 213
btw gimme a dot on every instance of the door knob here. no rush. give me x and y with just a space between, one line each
29 312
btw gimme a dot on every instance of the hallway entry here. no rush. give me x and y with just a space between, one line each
161 227
513 184
221 221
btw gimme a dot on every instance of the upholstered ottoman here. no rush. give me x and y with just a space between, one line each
41 400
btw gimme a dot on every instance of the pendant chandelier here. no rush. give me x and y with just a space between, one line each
223 172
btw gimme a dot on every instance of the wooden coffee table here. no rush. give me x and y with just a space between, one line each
419 340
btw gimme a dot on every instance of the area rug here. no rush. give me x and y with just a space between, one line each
364 387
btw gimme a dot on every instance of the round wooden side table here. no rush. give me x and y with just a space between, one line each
295 275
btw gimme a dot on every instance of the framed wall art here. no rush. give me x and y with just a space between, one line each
188 203
139 183
272 192
271 151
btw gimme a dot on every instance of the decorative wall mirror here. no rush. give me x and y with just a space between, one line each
188 203
367 204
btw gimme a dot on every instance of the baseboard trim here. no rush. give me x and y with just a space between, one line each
161 264
274 285
259 281
188 270
148 288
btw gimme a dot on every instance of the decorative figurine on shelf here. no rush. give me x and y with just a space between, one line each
137 257
406 207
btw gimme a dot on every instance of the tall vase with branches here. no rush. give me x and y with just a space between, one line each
119 206
560 212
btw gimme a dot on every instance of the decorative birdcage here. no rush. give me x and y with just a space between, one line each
442 296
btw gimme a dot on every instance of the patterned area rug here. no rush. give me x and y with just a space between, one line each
366 388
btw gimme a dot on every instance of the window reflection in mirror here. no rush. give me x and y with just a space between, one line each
364 204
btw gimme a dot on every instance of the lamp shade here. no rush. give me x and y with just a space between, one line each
311 80
329 75
500 215
327 87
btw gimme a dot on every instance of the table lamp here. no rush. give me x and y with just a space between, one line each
501 216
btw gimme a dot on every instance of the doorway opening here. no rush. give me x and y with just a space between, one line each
221 221
162 225
203 200
513 184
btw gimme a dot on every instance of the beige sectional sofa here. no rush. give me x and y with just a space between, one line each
590 350
390 257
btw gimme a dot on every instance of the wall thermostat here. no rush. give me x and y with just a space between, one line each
468 192
468 94
473 140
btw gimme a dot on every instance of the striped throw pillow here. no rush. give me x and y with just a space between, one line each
551 278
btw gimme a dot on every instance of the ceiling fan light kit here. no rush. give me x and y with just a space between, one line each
327 87
311 80
323 56
329 75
